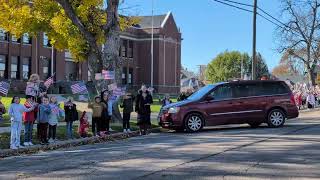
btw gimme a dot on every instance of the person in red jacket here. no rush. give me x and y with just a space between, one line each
29 119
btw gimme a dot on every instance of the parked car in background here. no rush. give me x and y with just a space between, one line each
235 102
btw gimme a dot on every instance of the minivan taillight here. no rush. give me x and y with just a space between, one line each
292 99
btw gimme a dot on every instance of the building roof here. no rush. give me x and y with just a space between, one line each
158 21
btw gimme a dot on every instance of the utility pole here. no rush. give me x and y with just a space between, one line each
254 62
151 83
241 68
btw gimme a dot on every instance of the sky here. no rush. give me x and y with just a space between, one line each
209 28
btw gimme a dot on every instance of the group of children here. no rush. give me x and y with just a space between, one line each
47 115
102 113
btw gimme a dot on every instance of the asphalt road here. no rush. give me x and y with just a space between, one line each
237 152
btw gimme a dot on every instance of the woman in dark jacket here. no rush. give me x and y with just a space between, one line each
143 103
71 115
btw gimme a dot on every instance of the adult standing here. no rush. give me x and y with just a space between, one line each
71 115
143 103
107 112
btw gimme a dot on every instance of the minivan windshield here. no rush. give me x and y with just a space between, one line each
201 92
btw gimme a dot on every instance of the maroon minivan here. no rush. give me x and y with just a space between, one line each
236 102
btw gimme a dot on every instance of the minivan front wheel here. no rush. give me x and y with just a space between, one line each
276 118
194 122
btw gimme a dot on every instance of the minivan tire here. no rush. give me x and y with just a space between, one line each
194 122
276 118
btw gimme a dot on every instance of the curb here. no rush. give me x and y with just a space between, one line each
309 110
71 143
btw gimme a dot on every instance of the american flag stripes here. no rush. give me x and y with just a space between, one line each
108 74
48 82
4 87
78 88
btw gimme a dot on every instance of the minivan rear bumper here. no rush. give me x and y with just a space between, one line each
292 112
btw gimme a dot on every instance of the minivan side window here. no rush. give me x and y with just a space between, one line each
273 88
222 92
245 90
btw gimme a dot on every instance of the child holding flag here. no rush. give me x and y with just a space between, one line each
15 111
56 114
29 119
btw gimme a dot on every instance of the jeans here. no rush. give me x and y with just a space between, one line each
126 120
28 127
96 125
69 130
52 131
16 127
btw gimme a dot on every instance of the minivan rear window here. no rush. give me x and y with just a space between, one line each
273 88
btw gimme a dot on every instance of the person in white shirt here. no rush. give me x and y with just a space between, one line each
311 101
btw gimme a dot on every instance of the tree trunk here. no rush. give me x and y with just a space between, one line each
111 59
311 77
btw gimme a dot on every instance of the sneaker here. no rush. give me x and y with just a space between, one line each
110 129
42 143
51 140
13 147
21 147
30 144
26 144
124 131
129 131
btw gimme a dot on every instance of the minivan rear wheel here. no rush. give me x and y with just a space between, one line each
276 118
194 122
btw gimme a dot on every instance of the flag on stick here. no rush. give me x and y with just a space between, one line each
48 82
78 88
4 87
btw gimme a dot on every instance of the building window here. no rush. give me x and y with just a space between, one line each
124 48
46 42
2 66
124 75
130 76
26 39
45 68
130 49
15 39
71 71
89 76
26 66
14 67
3 35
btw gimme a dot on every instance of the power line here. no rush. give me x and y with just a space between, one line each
243 4
234 6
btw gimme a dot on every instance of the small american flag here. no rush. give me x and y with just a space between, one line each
4 87
48 82
108 74
55 110
78 88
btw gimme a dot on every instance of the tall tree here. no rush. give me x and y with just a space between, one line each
227 65
300 38
261 66
88 28
85 27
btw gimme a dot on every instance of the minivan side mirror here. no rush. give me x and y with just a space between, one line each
209 98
